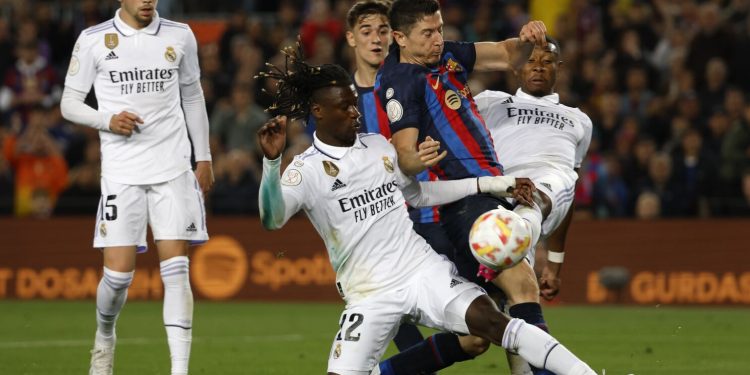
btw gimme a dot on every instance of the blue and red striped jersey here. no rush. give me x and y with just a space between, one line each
437 101
375 120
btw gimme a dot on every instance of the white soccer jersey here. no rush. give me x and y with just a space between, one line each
533 132
139 71
354 202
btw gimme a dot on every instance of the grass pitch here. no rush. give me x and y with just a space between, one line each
284 338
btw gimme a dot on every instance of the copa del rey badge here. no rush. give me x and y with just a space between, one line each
111 41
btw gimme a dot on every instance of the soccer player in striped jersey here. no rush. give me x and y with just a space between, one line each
423 89
353 191
145 73
369 35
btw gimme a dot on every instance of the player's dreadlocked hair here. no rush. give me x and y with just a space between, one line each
298 81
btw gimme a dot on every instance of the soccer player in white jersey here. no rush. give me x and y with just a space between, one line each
536 136
353 191
144 70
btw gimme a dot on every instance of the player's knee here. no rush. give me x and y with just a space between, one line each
473 345
519 284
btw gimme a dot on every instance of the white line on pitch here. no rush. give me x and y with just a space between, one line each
144 341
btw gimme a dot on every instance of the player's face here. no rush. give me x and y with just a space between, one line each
539 74
424 43
141 12
370 39
336 115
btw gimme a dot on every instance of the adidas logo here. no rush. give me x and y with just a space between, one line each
455 282
506 101
111 56
546 185
337 185
191 228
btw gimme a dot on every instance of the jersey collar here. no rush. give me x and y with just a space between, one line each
126 30
554 98
335 152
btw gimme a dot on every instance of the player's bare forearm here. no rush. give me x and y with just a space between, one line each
549 282
204 173
511 53
409 160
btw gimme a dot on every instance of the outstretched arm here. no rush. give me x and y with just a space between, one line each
511 54
549 282
276 207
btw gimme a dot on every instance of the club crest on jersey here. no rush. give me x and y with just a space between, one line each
111 41
388 164
452 100
170 55
291 177
330 168
453 66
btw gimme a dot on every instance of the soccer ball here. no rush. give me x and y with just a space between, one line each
499 239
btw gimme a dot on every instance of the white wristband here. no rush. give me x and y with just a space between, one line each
556 257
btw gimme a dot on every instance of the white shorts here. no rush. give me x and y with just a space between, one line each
559 188
435 297
174 210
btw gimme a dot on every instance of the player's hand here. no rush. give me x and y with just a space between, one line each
524 191
125 123
549 282
428 152
534 32
272 137
204 173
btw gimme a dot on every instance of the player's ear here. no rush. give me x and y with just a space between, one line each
399 38
350 39
315 110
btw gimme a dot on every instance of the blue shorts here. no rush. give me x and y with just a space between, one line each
436 237
457 219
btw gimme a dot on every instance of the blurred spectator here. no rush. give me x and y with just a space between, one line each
647 206
234 125
716 85
81 196
694 170
40 170
237 182
31 82
320 29
712 40
661 182
735 151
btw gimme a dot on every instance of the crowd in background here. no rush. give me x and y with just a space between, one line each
666 83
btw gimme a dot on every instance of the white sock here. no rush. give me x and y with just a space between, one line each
178 310
110 298
542 350
533 216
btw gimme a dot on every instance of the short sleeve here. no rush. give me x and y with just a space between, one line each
583 144
189 68
485 98
82 67
464 52
403 101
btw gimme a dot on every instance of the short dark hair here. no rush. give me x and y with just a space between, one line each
405 13
363 9
298 81
552 41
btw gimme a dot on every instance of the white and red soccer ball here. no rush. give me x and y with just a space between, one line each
499 239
